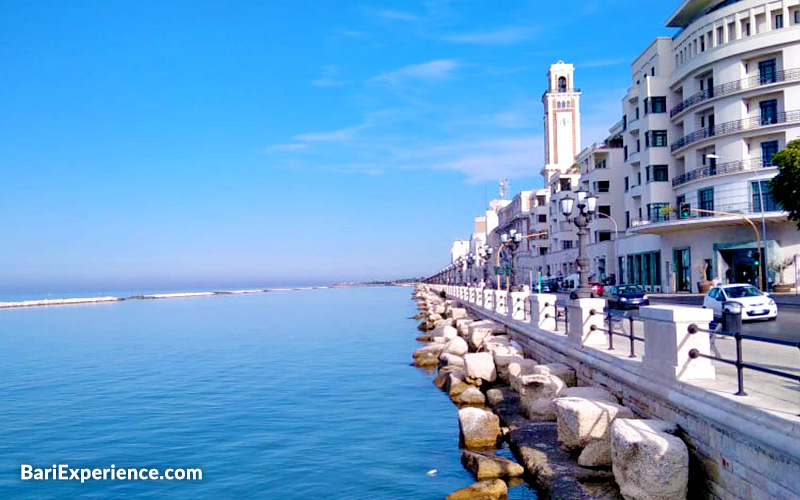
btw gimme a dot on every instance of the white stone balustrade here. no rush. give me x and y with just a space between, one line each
583 313
519 301
488 299
501 299
543 311
668 342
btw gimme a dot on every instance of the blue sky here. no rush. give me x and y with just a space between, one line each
249 143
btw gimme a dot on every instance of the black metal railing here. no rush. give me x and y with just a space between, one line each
736 126
741 209
561 313
613 318
739 362
719 169
736 86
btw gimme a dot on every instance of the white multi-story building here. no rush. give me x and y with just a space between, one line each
714 104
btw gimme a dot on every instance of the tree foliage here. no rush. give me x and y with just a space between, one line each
785 186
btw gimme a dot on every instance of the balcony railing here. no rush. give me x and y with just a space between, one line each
736 126
736 86
561 91
719 169
738 208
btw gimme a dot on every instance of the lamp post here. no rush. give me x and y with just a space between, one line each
510 240
486 254
763 242
470 263
616 237
587 204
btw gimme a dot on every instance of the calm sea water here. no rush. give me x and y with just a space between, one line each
303 394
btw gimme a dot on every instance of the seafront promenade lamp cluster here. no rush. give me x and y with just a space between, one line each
485 253
509 240
587 205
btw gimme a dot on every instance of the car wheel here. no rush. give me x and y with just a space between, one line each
773 318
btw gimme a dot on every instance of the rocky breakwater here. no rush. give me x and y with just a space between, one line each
572 442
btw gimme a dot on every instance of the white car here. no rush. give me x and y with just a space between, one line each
755 304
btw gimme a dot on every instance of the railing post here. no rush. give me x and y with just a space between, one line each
501 306
668 342
582 315
543 311
610 333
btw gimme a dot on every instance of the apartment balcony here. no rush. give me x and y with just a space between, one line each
726 168
634 157
735 126
730 214
733 87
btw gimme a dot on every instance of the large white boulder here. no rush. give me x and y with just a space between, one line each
584 421
502 363
471 396
560 370
649 463
519 369
458 313
448 359
480 365
477 335
479 428
462 325
449 332
456 346
536 395
489 466
494 489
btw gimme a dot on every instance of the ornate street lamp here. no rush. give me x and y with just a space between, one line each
486 255
587 204
511 240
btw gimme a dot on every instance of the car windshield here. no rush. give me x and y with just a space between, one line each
630 289
738 292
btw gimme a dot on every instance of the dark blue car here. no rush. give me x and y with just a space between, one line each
627 297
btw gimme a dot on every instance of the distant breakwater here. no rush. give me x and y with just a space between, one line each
177 295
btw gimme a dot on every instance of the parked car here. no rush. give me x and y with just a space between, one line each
755 303
597 288
627 297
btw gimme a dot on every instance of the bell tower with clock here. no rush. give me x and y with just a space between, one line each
562 119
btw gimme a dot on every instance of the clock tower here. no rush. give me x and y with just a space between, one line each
562 119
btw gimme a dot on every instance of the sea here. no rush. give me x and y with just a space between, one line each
304 394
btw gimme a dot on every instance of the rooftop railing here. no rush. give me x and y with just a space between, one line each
736 86
736 126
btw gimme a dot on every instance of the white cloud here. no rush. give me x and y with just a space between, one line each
601 63
396 15
291 146
342 134
329 77
488 160
431 71
502 36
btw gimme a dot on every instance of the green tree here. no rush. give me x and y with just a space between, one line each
785 186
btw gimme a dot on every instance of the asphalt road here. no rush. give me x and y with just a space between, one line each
786 327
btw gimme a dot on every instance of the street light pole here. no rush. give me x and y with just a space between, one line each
616 237
586 207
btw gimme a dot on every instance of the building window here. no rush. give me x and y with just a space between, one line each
625 153
647 174
767 72
778 21
627 183
656 138
660 173
706 197
603 236
657 212
655 105
542 250
601 164
636 109
746 29
761 191
769 111
604 209
562 84
638 145
639 178
565 185
768 150
797 17
566 244
627 220
602 186
542 218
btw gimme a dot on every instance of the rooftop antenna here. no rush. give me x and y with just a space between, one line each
504 187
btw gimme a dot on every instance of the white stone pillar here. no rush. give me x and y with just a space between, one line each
543 311
517 306
581 320
667 342
501 297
